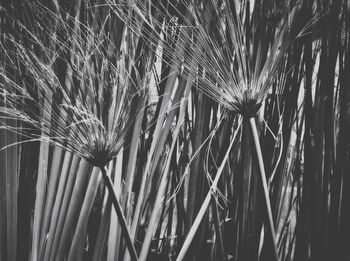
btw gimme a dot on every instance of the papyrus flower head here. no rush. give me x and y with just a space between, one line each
229 55
71 81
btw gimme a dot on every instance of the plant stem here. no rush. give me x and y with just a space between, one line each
120 215
216 217
194 228
205 204
264 183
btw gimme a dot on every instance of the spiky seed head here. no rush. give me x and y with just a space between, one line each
248 106
231 64
88 108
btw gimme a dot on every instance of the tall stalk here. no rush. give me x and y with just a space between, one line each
264 184
205 204
90 92
238 61
120 214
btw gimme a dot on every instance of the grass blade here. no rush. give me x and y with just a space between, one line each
113 244
80 230
181 97
58 203
264 183
75 203
205 205
216 217
67 189
118 174
40 199
54 177
120 215
3 208
103 229
11 193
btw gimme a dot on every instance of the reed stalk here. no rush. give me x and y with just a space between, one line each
271 224
120 214
204 206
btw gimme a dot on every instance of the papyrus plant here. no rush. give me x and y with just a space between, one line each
235 64
67 84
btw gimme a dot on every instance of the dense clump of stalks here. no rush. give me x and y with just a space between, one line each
68 85
233 65
187 175
90 111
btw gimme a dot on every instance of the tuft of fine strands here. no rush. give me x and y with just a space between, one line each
230 67
87 112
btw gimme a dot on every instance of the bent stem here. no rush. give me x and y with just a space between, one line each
120 215
264 183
